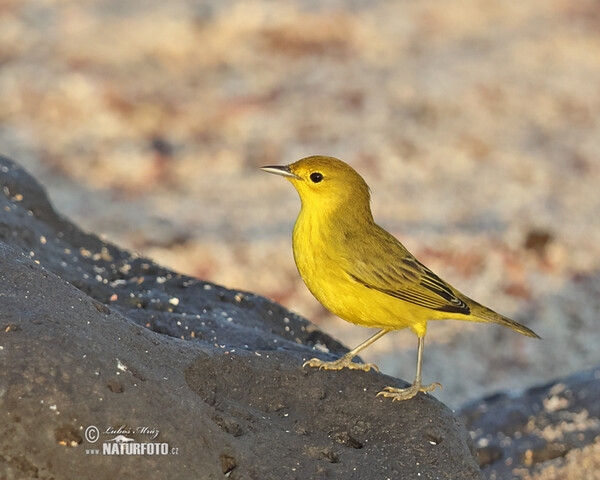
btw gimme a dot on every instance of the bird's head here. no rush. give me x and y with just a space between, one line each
325 183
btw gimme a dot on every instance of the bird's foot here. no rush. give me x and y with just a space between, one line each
407 393
344 362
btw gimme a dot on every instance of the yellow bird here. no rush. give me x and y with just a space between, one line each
363 274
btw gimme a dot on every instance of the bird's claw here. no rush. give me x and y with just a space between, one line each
343 362
398 394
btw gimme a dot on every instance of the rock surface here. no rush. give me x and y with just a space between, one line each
93 336
551 431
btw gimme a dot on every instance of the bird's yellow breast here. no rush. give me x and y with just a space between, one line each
321 254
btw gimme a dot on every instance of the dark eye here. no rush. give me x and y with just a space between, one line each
316 177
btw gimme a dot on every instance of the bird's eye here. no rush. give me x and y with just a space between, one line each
316 177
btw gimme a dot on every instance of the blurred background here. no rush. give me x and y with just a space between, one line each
476 124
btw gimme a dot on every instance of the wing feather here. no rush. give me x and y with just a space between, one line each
404 278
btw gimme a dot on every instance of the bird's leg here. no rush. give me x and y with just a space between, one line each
417 386
346 360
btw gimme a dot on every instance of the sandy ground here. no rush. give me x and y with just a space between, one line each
475 124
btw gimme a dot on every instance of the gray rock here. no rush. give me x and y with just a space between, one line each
519 434
94 336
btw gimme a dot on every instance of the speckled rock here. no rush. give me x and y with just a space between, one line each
103 352
521 434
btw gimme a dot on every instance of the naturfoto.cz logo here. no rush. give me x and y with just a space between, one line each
121 441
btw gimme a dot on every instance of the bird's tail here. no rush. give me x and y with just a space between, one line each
484 314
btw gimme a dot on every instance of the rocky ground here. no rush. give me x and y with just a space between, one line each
93 337
475 124
100 336
547 432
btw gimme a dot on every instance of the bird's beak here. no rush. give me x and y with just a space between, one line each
279 170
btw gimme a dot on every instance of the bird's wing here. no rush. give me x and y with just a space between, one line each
384 264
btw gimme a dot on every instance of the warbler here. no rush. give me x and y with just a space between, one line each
362 273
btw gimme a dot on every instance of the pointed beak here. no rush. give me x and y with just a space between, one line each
279 170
